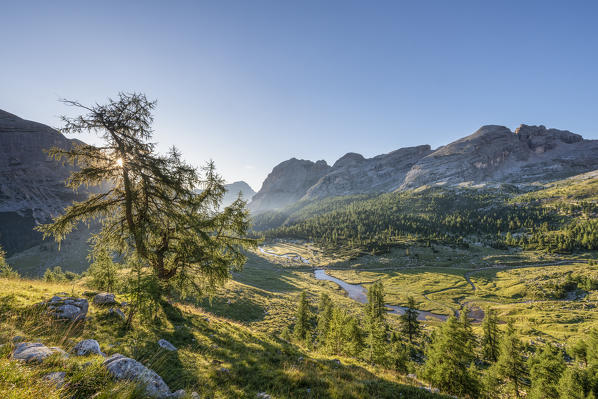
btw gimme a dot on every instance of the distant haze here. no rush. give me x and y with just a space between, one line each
251 84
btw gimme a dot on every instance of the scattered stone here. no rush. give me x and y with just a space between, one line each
263 395
125 368
301 358
195 395
57 378
124 304
224 370
338 362
34 352
104 298
412 376
88 347
178 394
69 308
17 338
167 345
118 313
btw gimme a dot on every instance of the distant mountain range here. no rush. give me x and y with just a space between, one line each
493 155
32 186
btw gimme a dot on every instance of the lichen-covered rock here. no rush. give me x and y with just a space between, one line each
57 378
124 368
67 308
104 298
87 347
117 312
34 352
166 345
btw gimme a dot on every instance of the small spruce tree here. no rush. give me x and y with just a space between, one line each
5 270
491 336
409 324
545 370
302 327
449 358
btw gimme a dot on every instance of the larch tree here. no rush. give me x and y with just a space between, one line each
491 336
510 369
376 308
449 361
302 324
155 208
409 324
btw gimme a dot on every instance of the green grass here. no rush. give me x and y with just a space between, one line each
218 356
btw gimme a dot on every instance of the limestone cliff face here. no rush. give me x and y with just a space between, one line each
31 185
354 174
492 155
287 183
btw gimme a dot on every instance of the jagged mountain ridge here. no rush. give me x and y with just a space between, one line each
492 154
31 185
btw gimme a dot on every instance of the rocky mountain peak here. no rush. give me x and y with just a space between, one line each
349 159
287 183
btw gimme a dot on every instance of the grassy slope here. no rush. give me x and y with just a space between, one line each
241 343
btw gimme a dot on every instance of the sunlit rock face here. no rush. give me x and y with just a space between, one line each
492 155
31 185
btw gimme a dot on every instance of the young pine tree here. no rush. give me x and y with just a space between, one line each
354 337
449 358
5 270
469 338
509 370
302 328
375 340
491 336
409 324
325 310
545 370
574 383
376 308
102 271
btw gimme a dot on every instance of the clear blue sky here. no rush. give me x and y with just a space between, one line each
252 83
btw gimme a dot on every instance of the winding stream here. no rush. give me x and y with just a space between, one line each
359 293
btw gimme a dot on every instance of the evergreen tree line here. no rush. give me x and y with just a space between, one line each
440 215
452 358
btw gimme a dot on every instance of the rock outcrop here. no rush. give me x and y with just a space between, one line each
103 299
87 347
166 345
494 154
32 352
354 174
67 308
124 368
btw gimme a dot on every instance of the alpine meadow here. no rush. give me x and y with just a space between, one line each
137 260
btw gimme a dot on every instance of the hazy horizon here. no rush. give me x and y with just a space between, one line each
252 85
